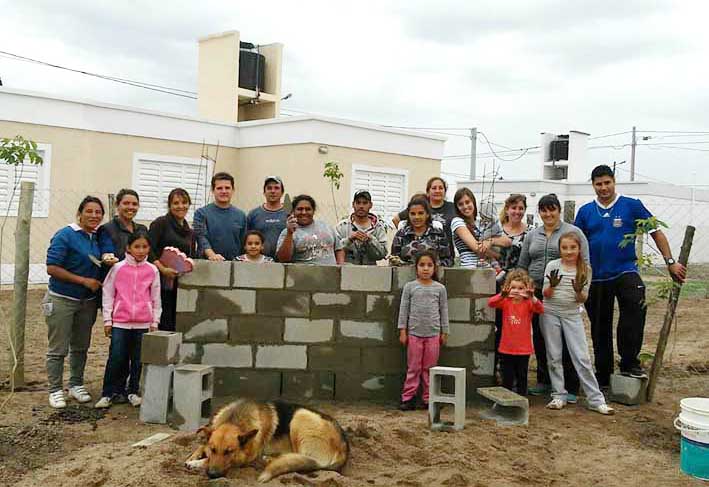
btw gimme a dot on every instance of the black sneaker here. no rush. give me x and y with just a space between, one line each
409 405
638 373
119 399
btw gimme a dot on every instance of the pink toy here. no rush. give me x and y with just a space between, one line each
175 259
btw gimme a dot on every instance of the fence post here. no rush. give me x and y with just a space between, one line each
22 270
111 206
569 211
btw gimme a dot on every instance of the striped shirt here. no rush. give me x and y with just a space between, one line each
424 309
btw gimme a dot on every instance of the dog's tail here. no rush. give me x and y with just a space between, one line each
289 462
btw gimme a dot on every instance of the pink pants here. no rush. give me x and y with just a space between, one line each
421 355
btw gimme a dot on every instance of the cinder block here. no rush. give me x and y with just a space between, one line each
191 353
157 393
481 312
312 277
283 303
194 390
459 309
483 363
356 331
216 330
160 347
228 302
371 387
366 278
255 329
628 390
307 331
308 385
438 397
337 305
281 356
509 408
208 274
324 357
261 276
462 334
225 355
261 384
187 300
466 282
402 275
382 307
384 360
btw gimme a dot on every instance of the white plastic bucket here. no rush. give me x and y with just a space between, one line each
693 422
695 412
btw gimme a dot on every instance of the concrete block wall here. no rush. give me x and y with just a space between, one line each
321 332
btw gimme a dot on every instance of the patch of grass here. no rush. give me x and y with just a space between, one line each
690 289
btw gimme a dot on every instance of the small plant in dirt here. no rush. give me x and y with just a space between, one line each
334 175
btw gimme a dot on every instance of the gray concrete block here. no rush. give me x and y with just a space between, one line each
337 305
261 276
227 302
371 387
366 278
194 390
371 331
509 408
462 334
382 307
308 385
481 312
255 329
191 353
281 356
261 384
157 393
438 397
313 277
160 347
207 273
483 363
283 303
308 331
384 360
187 300
402 275
627 390
459 309
466 282
325 357
209 330
225 355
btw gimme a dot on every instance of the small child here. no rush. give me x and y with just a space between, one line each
518 304
131 307
253 243
565 290
423 326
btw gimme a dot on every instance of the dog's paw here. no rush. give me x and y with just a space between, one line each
196 464
264 477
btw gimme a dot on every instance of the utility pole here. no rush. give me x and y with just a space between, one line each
632 157
473 149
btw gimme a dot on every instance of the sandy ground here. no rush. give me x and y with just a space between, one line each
638 446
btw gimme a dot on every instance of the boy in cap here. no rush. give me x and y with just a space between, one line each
363 233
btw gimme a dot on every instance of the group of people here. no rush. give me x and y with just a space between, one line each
117 266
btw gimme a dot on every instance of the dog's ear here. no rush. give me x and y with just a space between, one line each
243 439
204 432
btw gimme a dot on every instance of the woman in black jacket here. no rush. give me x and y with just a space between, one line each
122 226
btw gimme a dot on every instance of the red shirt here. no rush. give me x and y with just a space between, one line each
516 324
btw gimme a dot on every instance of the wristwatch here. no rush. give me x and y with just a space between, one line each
669 261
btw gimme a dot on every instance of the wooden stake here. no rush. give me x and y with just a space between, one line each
669 315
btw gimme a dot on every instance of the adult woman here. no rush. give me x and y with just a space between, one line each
541 246
420 233
474 245
70 304
514 229
122 226
171 230
306 240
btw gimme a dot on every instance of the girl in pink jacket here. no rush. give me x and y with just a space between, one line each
131 307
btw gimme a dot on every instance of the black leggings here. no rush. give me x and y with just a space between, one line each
514 372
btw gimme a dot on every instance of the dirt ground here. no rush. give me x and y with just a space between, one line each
638 446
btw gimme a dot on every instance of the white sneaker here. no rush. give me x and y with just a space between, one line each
603 409
57 399
556 403
135 400
80 394
104 402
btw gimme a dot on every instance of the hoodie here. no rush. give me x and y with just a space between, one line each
131 295
363 253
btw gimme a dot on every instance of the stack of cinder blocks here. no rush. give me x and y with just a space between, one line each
159 353
321 332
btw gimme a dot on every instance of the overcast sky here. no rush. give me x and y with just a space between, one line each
513 69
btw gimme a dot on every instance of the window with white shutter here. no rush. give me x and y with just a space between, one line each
388 187
154 176
12 176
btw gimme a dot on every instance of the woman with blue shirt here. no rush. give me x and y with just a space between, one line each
69 307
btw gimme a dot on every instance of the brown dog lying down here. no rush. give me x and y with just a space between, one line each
243 431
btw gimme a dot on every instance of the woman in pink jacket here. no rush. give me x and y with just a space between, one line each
131 307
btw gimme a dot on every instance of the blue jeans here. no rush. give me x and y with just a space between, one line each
123 362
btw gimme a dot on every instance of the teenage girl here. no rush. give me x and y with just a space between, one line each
565 290
253 244
423 326
518 304
131 307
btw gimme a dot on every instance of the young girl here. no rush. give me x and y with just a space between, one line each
131 307
566 285
518 304
254 248
423 326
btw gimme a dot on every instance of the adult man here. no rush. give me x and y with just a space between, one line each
363 233
605 222
269 218
220 226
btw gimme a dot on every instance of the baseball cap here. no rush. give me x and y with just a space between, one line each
362 193
276 179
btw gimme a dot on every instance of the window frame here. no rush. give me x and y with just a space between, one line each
395 171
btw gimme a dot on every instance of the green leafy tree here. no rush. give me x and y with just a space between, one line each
17 150
334 175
